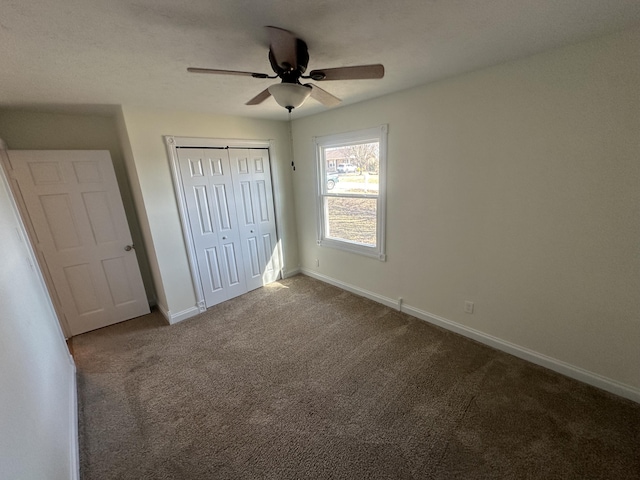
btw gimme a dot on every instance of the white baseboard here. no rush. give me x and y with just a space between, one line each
178 316
74 447
165 312
290 273
350 288
559 366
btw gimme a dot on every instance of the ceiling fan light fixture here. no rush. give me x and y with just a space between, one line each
289 95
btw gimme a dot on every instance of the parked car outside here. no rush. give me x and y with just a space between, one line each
346 168
332 179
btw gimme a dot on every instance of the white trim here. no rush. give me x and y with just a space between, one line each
74 447
202 142
277 203
590 378
378 134
178 316
290 273
164 311
172 143
201 307
350 288
532 356
183 315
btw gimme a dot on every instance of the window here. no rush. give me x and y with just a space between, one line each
351 191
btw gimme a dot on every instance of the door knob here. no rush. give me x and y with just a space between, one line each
128 248
251 231
224 238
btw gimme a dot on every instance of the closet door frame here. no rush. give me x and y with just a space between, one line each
172 144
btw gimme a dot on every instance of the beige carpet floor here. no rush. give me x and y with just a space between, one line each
301 380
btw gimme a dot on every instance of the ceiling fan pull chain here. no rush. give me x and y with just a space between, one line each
293 165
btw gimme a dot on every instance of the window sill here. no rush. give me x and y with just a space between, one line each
370 252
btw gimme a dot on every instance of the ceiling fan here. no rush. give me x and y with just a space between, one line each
289 57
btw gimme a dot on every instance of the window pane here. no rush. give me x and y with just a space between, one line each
352 168
351 219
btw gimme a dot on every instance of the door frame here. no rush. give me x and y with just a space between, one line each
172 144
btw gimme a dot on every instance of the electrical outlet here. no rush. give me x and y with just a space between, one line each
317 262
468 307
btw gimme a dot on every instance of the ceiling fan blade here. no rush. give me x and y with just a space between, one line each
284 46
261 97
227 72
358 72
323 96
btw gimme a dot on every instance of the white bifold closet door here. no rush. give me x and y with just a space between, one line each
230 207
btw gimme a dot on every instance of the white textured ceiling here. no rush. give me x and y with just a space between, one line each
84 54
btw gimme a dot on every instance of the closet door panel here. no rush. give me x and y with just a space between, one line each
264 213
206 178
245 193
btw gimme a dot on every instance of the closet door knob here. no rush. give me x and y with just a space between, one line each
224 238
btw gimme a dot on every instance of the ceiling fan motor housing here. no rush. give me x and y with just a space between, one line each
289 73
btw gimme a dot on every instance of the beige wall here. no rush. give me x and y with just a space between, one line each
147 155
38 436
25 130
516 187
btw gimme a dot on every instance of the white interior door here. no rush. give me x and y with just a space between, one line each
251 174
81 235
208 189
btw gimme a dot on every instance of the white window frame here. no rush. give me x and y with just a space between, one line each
376 134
